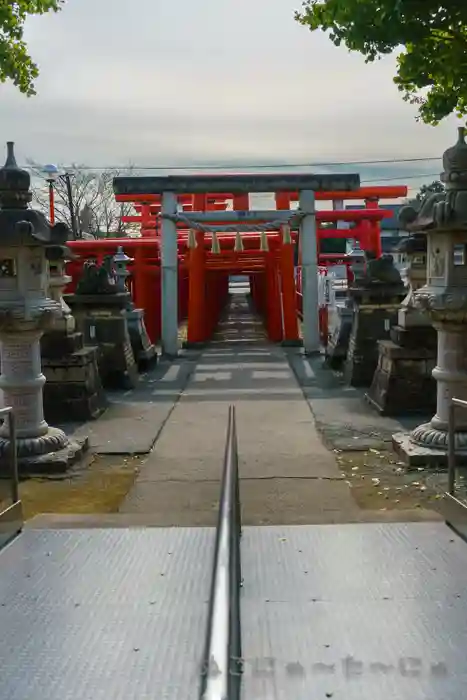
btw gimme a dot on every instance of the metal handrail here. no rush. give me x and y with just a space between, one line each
222 656
452 443
454 509
13 452
11 518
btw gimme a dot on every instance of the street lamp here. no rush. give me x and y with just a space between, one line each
51 173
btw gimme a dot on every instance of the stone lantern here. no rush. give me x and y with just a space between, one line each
143 350
73 387
121 261
356 260
99 308
26 312
443 219
57 257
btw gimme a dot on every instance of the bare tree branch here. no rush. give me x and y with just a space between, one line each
90 191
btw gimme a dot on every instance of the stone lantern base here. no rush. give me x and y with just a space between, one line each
403 383
73 387
427 444
102 320
41 448
418 455
375 311
52 453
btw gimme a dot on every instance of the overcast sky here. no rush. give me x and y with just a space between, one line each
154 83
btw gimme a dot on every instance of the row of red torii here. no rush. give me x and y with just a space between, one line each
188 214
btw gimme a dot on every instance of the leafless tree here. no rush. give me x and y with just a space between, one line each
91 192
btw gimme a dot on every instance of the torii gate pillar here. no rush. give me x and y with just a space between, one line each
309 255
169 277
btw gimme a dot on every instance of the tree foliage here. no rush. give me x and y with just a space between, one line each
90 191
436 187
15 62
432 66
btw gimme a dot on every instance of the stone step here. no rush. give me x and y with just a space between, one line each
53 521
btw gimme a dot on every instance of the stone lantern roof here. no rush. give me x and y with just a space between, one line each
14 183
18 223
455 164
445 211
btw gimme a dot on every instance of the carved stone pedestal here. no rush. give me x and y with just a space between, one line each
73 389
427 443
375 311
403 383
102 320
143 350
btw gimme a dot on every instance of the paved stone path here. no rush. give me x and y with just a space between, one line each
287 475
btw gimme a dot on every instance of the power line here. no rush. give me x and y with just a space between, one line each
243 167
403 177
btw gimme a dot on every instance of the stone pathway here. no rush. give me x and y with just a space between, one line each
174 423
362 442
287 475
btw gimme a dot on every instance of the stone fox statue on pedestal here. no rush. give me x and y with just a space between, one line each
98 279
379 271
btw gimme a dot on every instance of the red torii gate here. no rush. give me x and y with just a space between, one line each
251 258
367 230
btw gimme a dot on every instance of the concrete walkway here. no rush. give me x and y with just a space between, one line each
287 475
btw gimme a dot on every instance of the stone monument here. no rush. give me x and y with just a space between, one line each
143 350
25 313
100 312
376 293
403 382
73 387
443 219
341 314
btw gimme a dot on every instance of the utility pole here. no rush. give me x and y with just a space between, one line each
71 207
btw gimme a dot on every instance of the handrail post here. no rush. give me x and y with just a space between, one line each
12 452
13 458
451 448
11 517
454 508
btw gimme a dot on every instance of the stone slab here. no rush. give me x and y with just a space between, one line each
129 428
285 470
417 456
52 521
134 418
343 417
389 347
415 337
